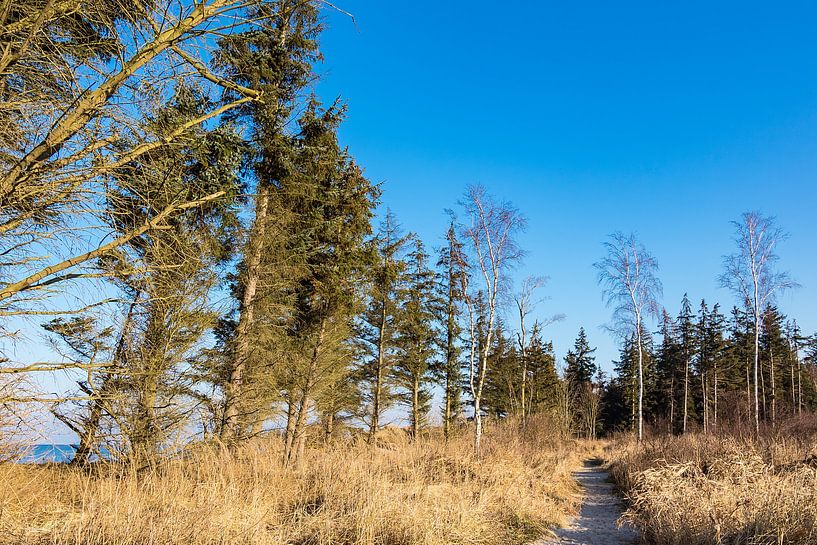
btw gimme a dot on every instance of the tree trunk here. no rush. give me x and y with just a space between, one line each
715 395
231 428
774 392
377 392
477 428
415 409
705 397
329 427
640 384
299 430
748 393
686 393
145 439
88 439
447 410
289 432
757 361
672 403
799 388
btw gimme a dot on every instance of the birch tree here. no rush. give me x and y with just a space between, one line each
490 229
750 273
630 285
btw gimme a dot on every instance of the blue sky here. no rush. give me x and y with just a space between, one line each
667 120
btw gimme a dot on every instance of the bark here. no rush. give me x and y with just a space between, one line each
289 431
329 427
715 395
705 397
415 409
299 429
686 393
231 428
672 403
773 385
377 388
640 383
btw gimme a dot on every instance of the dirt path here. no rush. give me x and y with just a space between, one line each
596 522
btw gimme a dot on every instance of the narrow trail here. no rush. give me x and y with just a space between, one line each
601 508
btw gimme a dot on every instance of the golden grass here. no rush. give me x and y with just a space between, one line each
698 490
397 493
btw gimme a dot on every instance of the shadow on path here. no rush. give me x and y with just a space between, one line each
601 508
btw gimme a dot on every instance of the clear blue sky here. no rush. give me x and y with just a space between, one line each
592 117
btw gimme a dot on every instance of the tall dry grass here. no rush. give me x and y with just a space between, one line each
397 493
701 490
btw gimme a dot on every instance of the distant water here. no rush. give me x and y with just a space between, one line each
47 453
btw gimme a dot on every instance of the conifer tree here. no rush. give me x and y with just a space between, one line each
275 59
170 272
668 364
543 380
580 363
417 335
447 370
686 338
378 327
331 203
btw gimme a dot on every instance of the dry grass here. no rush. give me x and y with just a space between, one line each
698 490
398 493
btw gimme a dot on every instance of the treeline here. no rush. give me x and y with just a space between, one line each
699 372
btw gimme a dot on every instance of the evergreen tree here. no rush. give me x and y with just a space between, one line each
502 382
447 370
669 362
331 203
275 59
580 364
543 380
686 338
774 360
170 272
378 324
417 335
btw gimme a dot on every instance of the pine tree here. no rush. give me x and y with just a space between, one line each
331 204
580 364
502 381
686 337
377 327
668 363
447 370
543 380
275 59
417 335
774 357
171 271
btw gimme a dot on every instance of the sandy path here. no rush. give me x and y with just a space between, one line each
596 522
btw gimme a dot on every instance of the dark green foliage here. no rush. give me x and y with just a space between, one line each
580 364
417 335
